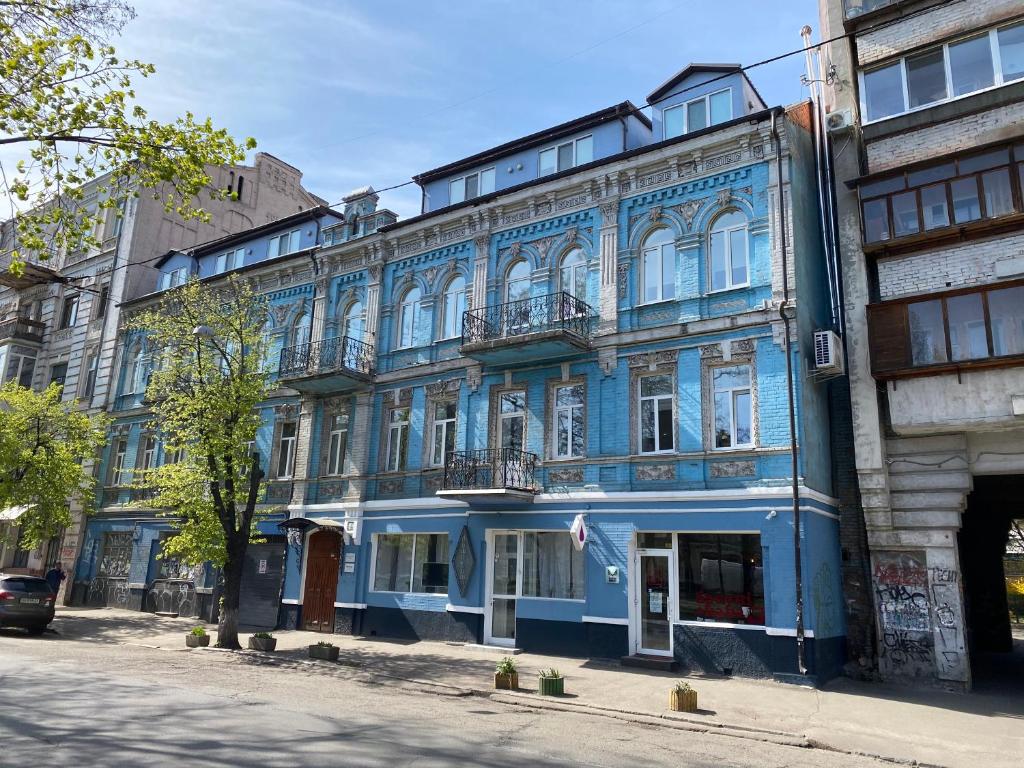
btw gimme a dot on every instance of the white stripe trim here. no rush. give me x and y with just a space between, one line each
290 601
773 631
605 620
350 605
464 609
496 515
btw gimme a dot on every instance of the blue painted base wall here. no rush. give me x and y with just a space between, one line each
401 624
570 638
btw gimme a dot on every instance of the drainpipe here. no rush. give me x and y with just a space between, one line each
624 131
783 308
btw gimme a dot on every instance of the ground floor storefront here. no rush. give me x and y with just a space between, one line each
704 579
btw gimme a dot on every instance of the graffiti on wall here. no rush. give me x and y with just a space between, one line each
919 617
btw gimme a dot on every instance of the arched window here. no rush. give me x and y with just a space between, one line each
454 306
354 322
517 282
658 267
302 328
727 245
572 274
410 318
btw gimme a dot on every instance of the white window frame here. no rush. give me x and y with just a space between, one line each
558 145
288 239
174 278
729 284
337 436
148 452
398 438
570 411
446 425
997 73
641 399
457 300
671 244
416 307
286 450
685 107
511 415
90 369
117 469
229 260
733 393
22 360
75 302
412 563
480 191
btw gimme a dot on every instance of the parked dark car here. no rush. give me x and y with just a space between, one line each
26 601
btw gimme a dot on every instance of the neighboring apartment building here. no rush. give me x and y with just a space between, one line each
928 143
59 321
553 410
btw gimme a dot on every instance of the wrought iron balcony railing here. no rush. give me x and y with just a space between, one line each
326 356
490 469
551 312
22 329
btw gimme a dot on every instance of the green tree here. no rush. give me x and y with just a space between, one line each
68 107
206 386
43 441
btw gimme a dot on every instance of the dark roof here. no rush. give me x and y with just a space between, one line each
695 69
473 202
626 108
223 242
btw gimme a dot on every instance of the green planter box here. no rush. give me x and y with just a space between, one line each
262 644
552 686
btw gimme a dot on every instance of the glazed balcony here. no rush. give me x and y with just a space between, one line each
34 271
550 327
339 364
22 329
491 474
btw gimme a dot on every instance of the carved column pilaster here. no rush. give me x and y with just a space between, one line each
609 246
320 303
303 450
481 243
375 273
359 443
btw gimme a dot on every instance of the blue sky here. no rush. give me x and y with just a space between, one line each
357 93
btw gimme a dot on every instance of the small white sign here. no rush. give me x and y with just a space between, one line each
611 574
263 566
578 530
350 557
655 601
350 567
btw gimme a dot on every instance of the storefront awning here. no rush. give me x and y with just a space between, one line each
10 514
312 524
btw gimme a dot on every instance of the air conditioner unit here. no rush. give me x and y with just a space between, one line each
828 355
839 121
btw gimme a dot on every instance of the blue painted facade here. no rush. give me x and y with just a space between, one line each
395 291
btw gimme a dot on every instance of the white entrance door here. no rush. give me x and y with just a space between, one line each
655 597
503 575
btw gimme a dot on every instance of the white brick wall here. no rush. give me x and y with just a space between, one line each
945 20
970 263
999 124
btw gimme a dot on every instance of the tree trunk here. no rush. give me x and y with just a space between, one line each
227 629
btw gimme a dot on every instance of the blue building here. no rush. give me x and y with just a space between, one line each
553 410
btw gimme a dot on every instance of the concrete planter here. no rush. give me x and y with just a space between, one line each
197 641
324 652
682 701
551 686
506 681
266 644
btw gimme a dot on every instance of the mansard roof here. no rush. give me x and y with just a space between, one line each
626 108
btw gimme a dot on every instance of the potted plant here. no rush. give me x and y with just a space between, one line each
506 674
262 641
682 698
551 682
197 638
324 651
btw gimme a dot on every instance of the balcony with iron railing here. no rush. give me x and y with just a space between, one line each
22 329
338 364
549 327
493 474
33 270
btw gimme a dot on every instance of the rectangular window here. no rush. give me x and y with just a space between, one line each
970 65
336 444
148 458
1006 313
444 433
1011 52
567 155
659 270
569 424
20 368
696 115
656 431
926 78
398 439
230 260
286 450
411 562
470 186
733 407
552 567
118 472
92 360
116 559
927 333
721 578
512 420
58 372
674 119
102 300
284 244
69 312
966 321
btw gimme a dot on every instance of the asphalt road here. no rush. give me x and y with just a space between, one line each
67 701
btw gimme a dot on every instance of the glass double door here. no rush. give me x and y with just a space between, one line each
654 600
504 574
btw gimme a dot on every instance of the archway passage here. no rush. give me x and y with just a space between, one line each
988 557
323 552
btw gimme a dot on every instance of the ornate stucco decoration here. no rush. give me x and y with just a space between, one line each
732 469
609 213
280 312
656 472
723 196
623 278
481 243
654 214
652 359
286 411
689 209
566 476
440 389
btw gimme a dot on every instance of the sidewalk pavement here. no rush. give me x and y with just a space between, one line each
981 729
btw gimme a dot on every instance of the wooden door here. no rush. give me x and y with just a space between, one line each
322 558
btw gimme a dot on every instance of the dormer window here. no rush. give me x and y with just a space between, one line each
566 155
470 186
230 260
284 244
174 278
698 114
